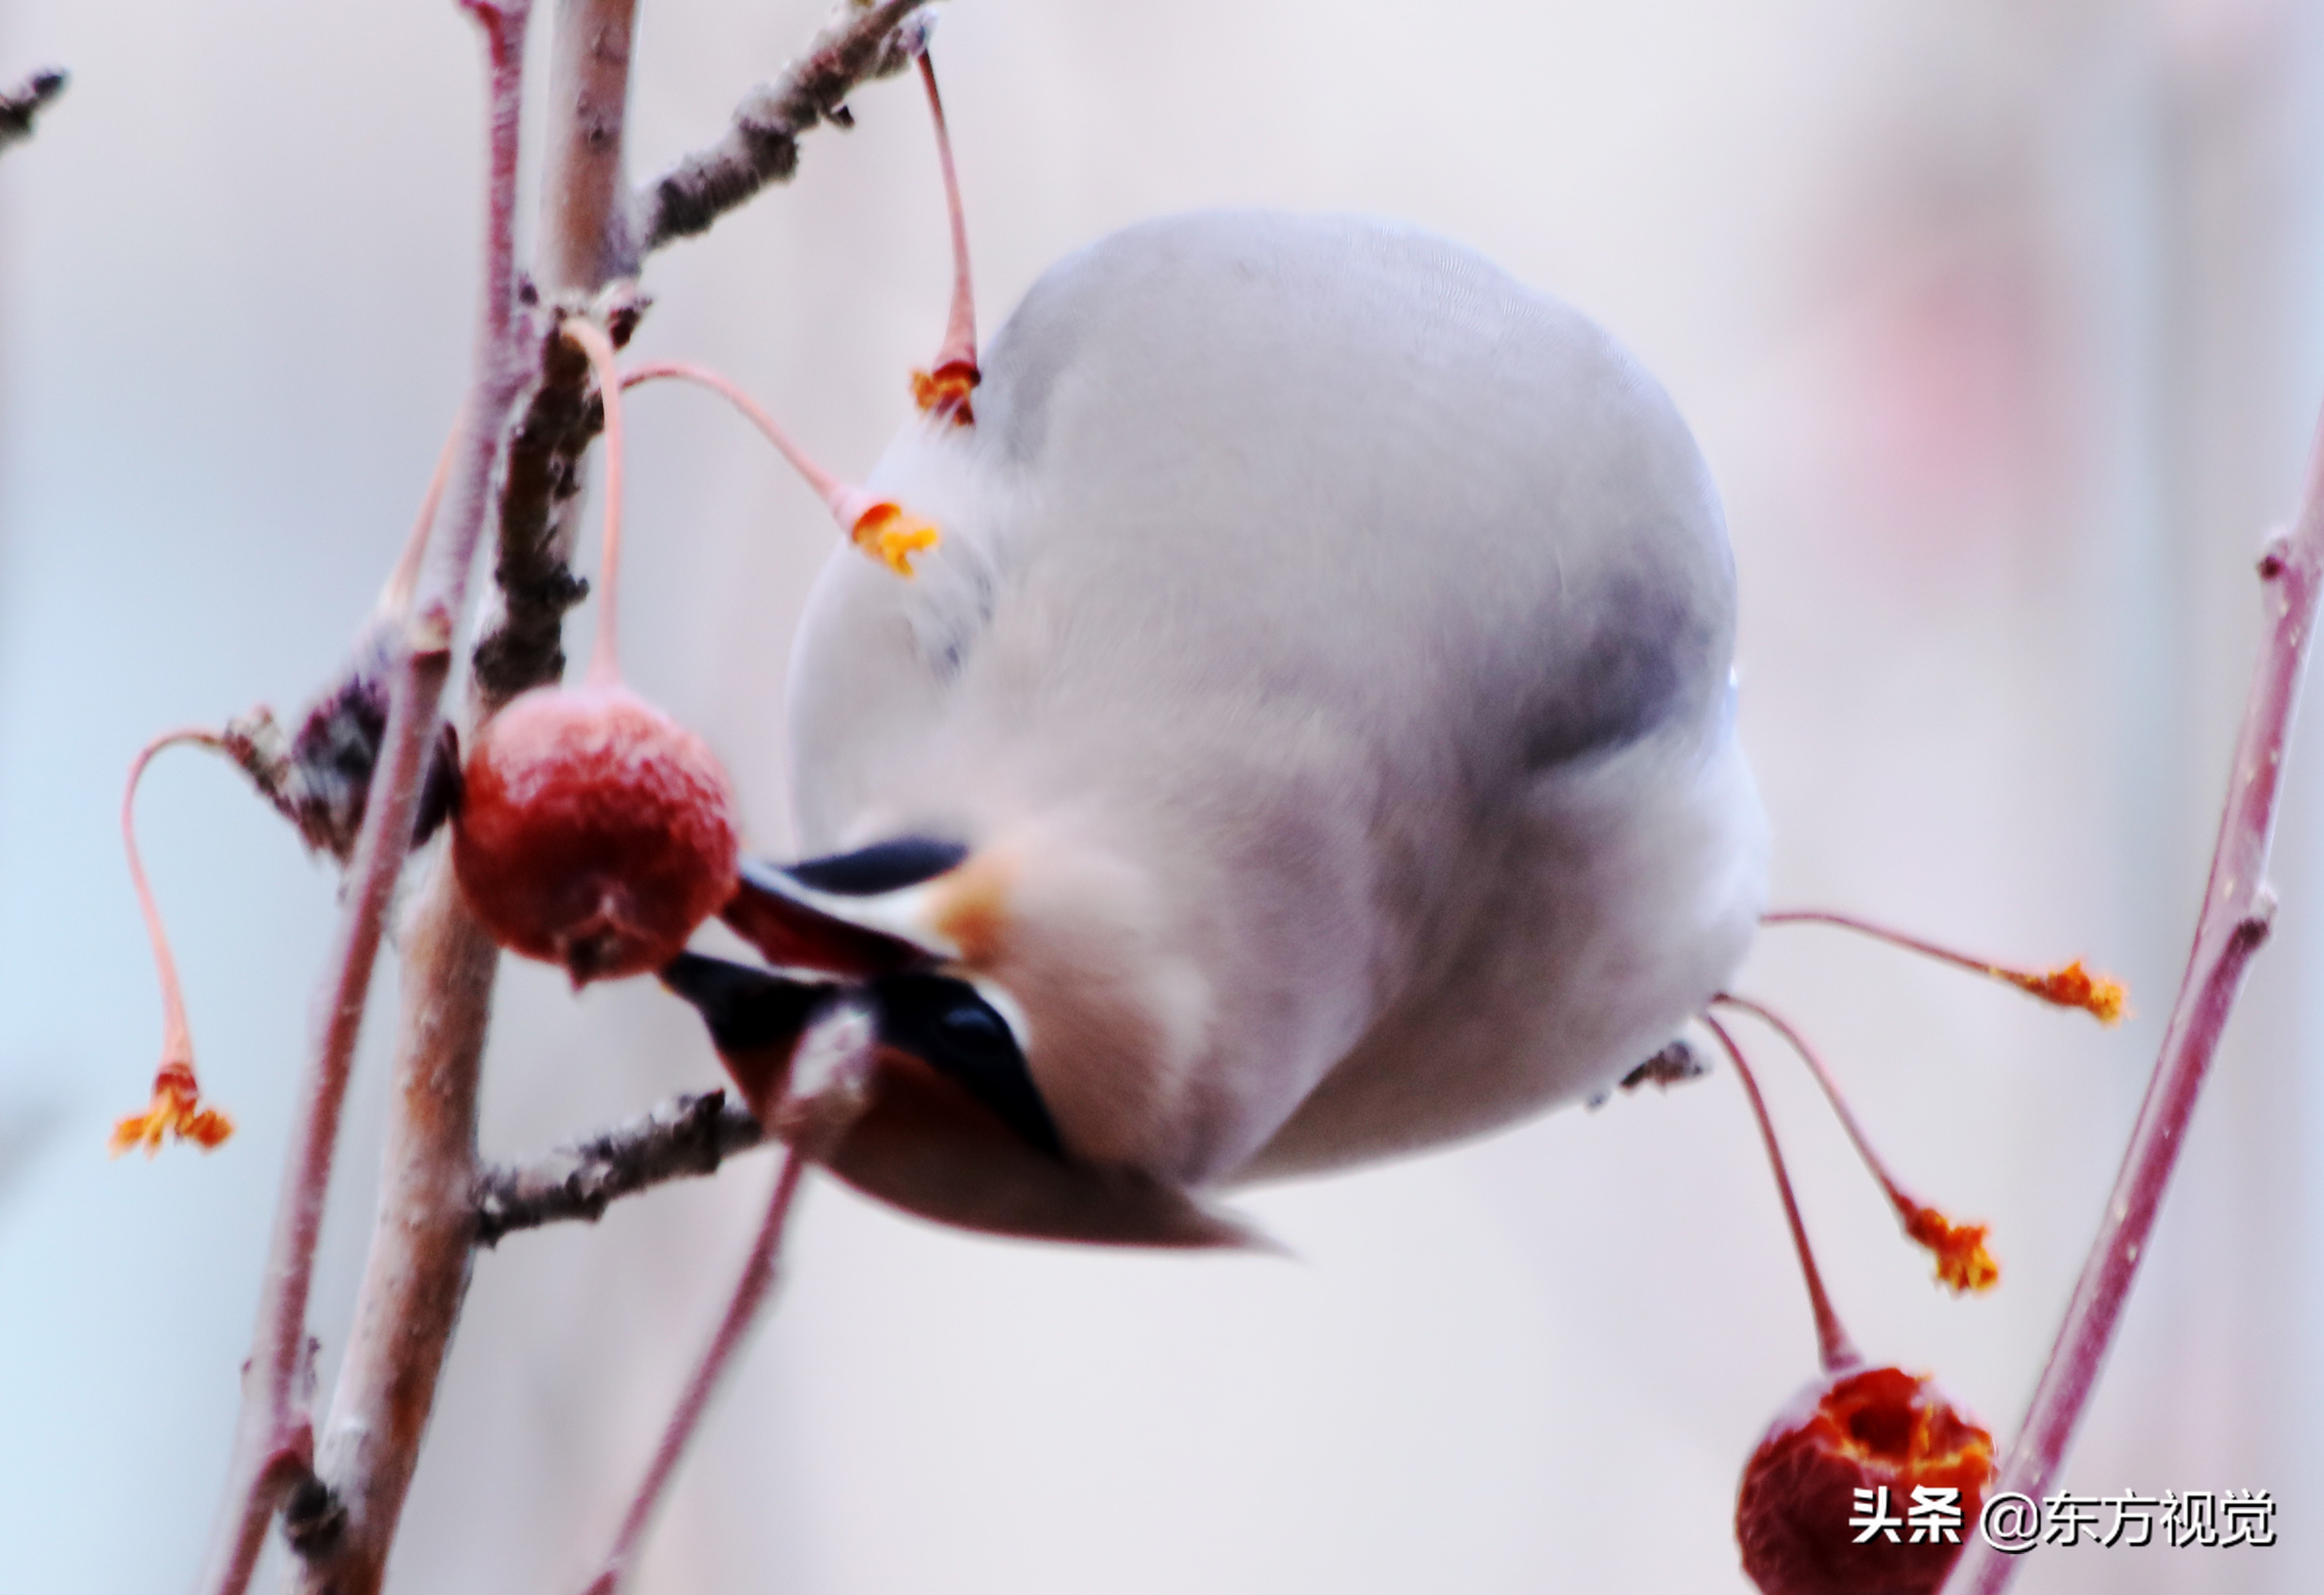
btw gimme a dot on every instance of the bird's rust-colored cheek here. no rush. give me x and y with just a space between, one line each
971 909
929 1146
761 1073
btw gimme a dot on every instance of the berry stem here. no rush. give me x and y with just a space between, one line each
605 658
959 346
395 597
878 526
846 503
175 1111
1832 1345
177 1040
2071 986
1963 1262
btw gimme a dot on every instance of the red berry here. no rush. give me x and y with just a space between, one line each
1858 1429
594 831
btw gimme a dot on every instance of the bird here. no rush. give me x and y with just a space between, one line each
1312 740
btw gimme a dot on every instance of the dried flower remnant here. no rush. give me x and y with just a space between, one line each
1964 1266
176 1111
2074 987
1963 1263
1875 1449
886 533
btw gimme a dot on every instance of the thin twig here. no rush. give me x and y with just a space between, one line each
273 1438
2237 908
19 106
685 1138
832 1074
860 42
1833 1348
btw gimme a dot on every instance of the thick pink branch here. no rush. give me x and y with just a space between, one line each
272 1435
2237 908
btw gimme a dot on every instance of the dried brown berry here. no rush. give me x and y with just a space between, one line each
1828 1504
594 831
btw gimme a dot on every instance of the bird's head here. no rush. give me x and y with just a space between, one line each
1031 1026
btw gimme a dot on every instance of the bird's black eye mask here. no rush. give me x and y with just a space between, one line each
949 1025
943 1021
884 866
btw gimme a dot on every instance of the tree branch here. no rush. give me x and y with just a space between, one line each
274 1437
594 236
685 1138
415 1278
19 106
860 42
585 239
2237 907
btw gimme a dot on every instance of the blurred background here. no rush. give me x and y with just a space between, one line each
2002 324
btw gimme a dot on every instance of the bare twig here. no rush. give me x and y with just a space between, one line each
273 1438
19 106
685 1138
831 1077
860 42
585 239
2238 908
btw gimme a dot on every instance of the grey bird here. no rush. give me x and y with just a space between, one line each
1314 739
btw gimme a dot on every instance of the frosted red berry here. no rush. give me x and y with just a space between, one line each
1859 1429
594 831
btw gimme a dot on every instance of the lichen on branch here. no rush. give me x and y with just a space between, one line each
685 1138
860 42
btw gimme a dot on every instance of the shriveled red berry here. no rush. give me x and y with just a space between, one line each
1855 1430
594 831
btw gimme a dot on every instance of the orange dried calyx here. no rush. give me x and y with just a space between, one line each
890 536
944 391
1858 1429
175 1112
1963 1264
2101 996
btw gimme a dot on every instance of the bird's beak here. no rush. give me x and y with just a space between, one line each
851 914
934 1142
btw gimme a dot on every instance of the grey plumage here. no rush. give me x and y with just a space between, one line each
1328 663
